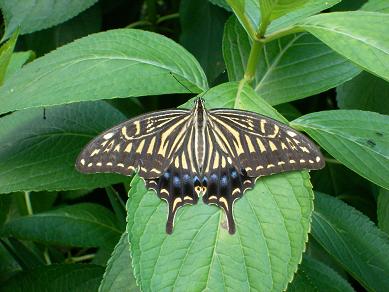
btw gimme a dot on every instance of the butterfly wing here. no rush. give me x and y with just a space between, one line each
244 146
179 183
146 143
263 146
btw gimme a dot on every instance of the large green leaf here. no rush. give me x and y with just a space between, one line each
112 64
353 240
290 68
118 275
364 92
272 227
81 225
248 13
33 15
313 275
71 277
383 210
39 154
358 35
357 139
202 25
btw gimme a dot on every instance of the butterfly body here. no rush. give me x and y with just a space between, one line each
183 154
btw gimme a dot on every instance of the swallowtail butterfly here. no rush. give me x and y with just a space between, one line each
217 153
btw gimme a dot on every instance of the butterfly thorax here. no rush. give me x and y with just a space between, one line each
200 123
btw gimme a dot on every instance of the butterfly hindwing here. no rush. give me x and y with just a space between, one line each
261 145
146 143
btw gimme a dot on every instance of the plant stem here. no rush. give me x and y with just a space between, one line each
139 23
152 12
82 258
168 17
28 203
253 60
47 256
282 33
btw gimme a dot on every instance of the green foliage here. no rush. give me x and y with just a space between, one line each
62 84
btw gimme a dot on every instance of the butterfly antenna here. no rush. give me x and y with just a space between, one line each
181 83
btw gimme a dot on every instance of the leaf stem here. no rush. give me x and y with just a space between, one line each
47 256
281 33
168 17
252 62
28 203
82 258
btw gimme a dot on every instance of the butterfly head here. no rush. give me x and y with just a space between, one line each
199 104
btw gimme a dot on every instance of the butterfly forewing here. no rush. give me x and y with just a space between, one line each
263 146
147 143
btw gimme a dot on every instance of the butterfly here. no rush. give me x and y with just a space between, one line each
182 154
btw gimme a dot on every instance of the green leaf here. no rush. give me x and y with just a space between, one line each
376 5
124 62
203 23
16 62
290 68
273 9
364 92
39 154
357 139
8 265
221 3
272 225
313 275
310 7
33 15
118 206
232 95
85 23
118 275
353 240
71 277
383 210
248 13
358 35
80 225
5 204
6 51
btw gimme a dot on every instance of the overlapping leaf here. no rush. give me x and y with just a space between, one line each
248 13
383 210
6 51
202 25
272 226
313 275
119 275
103 66
64 277
290 68
33 15
364 92
91 226
357 139
358 35
39 154
353 240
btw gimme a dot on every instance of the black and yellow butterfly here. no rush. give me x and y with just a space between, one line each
218 153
